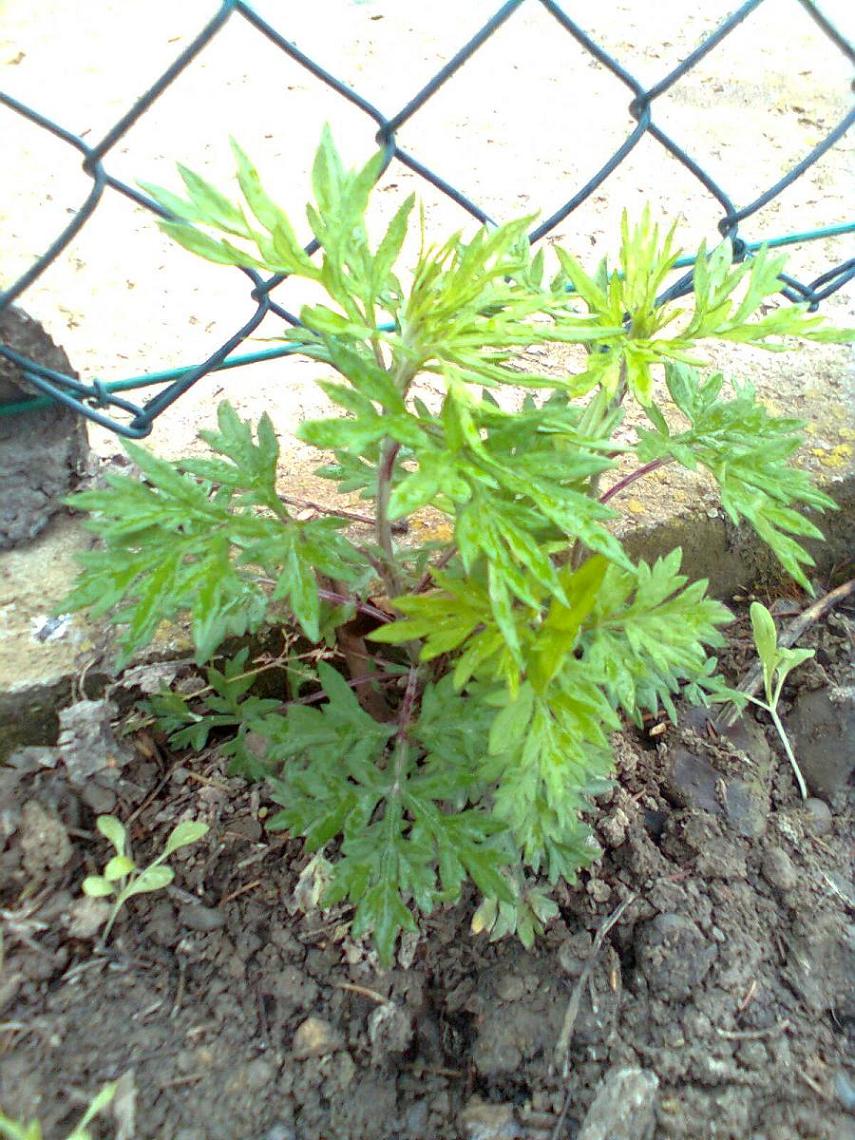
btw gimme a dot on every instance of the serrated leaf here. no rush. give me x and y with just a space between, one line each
392 242
502 607
383 912
220 252
511 723
213 207
289 255
414 491
648 633
749 454
302 587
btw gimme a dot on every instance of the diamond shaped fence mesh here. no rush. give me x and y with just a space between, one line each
445 160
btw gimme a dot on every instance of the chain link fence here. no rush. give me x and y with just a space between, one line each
104 404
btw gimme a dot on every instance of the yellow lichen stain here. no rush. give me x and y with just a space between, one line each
635 506
847 433
839 456
432 528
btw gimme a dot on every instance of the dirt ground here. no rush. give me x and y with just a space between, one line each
710 953
701 974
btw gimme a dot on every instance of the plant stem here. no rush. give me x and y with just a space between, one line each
405 715
797 772
335 512
629 479
440 564
360 607
114 914
340 598
388 455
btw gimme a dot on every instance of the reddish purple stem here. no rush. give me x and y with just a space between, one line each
361 607
629 479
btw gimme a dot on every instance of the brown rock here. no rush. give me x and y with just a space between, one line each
315 1038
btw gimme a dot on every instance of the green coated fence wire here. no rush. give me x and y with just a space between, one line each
102 402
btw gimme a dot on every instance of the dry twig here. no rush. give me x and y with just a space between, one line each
562 1047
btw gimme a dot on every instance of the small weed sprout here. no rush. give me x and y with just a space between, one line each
122 878
777 663
32 1130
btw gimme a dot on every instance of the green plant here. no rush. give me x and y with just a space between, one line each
122 878
777 663
32 1130
452 719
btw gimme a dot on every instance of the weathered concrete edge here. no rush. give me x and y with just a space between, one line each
734 559
731 559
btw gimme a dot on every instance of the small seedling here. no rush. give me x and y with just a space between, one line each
15 1130
122 878
777 663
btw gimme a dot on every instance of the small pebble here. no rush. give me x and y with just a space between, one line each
778 869
753 1055
44 841
390 1031
259 1073
845 1090
195 916
100 799
818 813
624 1107
87 916
315 1038
599 890
245 827
280 1132
482 1121
511 987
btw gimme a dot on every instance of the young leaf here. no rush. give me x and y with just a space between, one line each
97 887
777 662
112 829
382 911
183 834
119 867
766 642
153 878
102 1099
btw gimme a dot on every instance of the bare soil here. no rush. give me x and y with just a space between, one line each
234 1010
